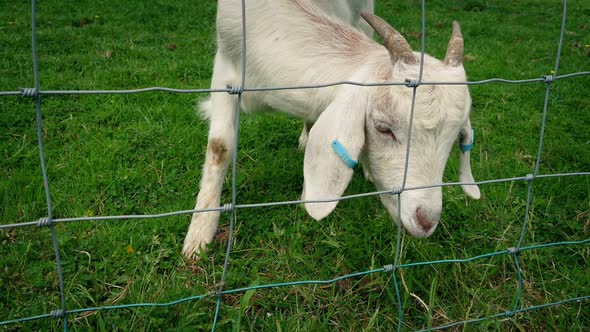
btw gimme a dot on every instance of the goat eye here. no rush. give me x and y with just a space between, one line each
385 129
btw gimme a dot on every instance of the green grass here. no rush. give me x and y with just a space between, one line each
141 154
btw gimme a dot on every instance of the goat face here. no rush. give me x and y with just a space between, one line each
440 114
373 124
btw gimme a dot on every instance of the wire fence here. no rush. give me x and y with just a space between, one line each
233 207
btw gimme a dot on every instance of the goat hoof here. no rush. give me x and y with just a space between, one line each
200 233
193 251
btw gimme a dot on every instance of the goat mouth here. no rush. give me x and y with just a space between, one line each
419 229
420 223
414 227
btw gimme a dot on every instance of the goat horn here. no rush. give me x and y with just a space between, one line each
454 57
395 43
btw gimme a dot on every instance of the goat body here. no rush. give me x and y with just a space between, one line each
289 43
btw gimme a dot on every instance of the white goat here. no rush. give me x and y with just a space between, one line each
349 11
291 43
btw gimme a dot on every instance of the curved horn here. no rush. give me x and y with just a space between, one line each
454 57
396 45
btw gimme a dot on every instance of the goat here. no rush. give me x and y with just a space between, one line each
291 43
349 11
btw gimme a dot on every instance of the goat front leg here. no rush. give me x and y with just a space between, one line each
219 149
221 110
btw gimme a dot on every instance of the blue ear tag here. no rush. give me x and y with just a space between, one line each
343 154
468 147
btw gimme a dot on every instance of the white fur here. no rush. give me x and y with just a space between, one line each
293 42
348 11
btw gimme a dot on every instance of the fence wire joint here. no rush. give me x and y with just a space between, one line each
217 291
548 78
227 207
508 313
58 313
412 83
513 250
396 190
235 90
45 221
28 92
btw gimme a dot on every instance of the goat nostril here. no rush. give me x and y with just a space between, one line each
422 220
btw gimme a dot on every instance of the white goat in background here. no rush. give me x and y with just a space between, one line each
291 43
349 11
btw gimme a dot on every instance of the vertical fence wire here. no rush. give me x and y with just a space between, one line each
413 84
537 164
63 312
234 176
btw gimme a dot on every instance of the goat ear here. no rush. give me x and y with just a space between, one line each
326 175
466 140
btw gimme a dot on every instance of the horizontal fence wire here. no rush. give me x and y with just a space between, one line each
384 269
229 207
63 312
30 92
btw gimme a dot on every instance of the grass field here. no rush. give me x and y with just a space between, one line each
142 154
